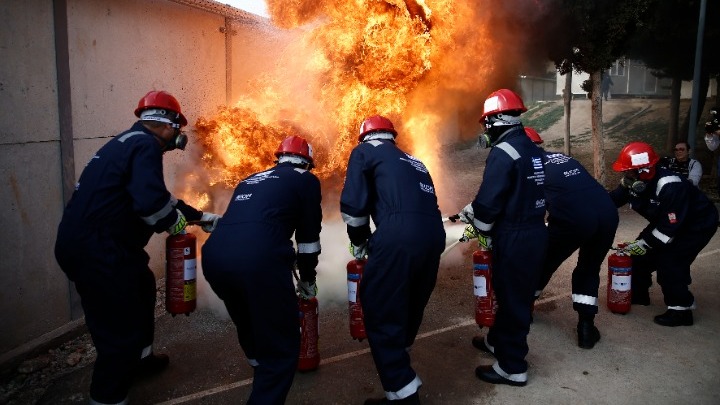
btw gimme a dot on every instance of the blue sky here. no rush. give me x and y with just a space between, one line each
253 6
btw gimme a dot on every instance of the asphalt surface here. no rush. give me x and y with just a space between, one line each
635 362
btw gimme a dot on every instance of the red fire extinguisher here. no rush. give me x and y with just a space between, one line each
619 292
181 273
309 359
485 303
355 270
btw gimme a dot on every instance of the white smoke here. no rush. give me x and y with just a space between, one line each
331 269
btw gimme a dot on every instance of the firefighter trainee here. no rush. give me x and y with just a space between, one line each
250 258
508 216
581 216
681 222
396 190
119 201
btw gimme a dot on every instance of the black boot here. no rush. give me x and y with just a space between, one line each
674 317
588 334
413 399
640 297
152 364
479 343
488 374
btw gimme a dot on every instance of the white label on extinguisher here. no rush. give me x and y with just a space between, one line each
352 291
190 269
621 283
480 284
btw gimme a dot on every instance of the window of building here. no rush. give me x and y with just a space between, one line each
618 68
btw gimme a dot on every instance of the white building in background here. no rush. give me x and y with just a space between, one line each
631 78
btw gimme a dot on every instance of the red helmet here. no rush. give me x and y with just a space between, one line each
533 135
635 155
376 123
502 101
297 146
164 101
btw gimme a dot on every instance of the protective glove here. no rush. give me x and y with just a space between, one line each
467 215
212 219
637 248
359 252
306 290
471 232
179 225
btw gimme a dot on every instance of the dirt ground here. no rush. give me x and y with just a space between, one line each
26 380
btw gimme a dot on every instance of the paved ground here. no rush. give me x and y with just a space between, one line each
636 362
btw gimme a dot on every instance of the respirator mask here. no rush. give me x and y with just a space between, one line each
178 141
495 126
636 180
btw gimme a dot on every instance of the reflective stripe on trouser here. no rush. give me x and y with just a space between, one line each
592 245
673 267
260 299
397 283
119 305
517 377
514 280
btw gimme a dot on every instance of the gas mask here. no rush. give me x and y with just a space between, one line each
495 127
178 141
636 180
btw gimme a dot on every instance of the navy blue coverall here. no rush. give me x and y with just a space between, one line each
119 201
582 216
681 222
395 190
249 260
510 206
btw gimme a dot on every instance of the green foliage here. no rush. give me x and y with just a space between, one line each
543 115
595 33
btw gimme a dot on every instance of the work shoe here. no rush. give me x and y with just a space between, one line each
640 297
588 334
153 364
413 399
479 343
488 374
674 317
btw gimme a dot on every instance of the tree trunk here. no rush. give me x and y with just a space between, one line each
597 128
702 91
567 98
672 137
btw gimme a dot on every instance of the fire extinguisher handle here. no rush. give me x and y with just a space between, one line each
199 223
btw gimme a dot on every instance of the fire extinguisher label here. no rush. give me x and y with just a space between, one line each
621 283
190 291
190 269
480 286
352 291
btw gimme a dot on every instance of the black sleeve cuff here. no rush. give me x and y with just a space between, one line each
191 214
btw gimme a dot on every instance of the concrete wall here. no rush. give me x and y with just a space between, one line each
118 50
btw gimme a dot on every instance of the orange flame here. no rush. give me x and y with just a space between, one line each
418 62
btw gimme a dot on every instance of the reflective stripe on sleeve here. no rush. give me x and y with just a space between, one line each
666 180
661 236
355 221
312 247
129 135
162 213
512 152
482 225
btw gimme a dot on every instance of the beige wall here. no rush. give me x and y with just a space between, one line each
118 51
